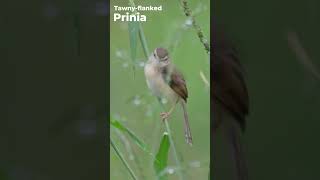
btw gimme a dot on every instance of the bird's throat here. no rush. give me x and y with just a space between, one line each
157 84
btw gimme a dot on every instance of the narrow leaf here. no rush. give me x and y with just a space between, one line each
125 163
162 157
204 79
117 124
133 28
143 41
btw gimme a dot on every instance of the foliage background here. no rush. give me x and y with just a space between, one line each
132 103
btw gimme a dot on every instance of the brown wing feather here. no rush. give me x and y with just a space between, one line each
229 87
178 84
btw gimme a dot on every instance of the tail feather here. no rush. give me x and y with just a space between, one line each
233 134
187 130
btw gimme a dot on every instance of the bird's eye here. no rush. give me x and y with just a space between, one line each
154 55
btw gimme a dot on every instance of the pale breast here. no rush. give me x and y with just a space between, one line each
157 84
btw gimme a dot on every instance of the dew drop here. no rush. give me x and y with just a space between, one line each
170 170
141 64
136 101
119 54
125 65
164 101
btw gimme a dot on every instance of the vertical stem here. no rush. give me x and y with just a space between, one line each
143 41
180 174
187 11
146 53
175 154
131 153
116 149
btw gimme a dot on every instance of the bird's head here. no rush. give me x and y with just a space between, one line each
160 56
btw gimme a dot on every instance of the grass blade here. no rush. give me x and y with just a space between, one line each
133 28
117 124
119 154
143 41
204 79
302 55
162 157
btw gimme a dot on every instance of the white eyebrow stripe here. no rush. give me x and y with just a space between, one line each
166 57
155 54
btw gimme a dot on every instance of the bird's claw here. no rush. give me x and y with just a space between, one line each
164 115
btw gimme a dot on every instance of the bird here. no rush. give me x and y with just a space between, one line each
230 99
165 81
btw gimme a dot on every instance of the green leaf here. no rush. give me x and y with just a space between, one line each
162 157
117 124
133 28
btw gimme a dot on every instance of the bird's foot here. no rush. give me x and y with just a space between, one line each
164 115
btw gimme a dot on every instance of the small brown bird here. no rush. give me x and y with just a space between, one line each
230 99
164 80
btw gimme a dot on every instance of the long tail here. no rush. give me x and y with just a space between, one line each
187 130
233 134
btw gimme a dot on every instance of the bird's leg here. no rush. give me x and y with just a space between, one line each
165 115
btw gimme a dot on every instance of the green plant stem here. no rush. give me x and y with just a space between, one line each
157 130
131 152
126 164
175 154
187 11
180 174
143 41
146 53
141 33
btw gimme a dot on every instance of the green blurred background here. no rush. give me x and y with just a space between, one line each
53 89
282 138
132 103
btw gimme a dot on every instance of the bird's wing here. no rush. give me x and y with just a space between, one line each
178 84
229 86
